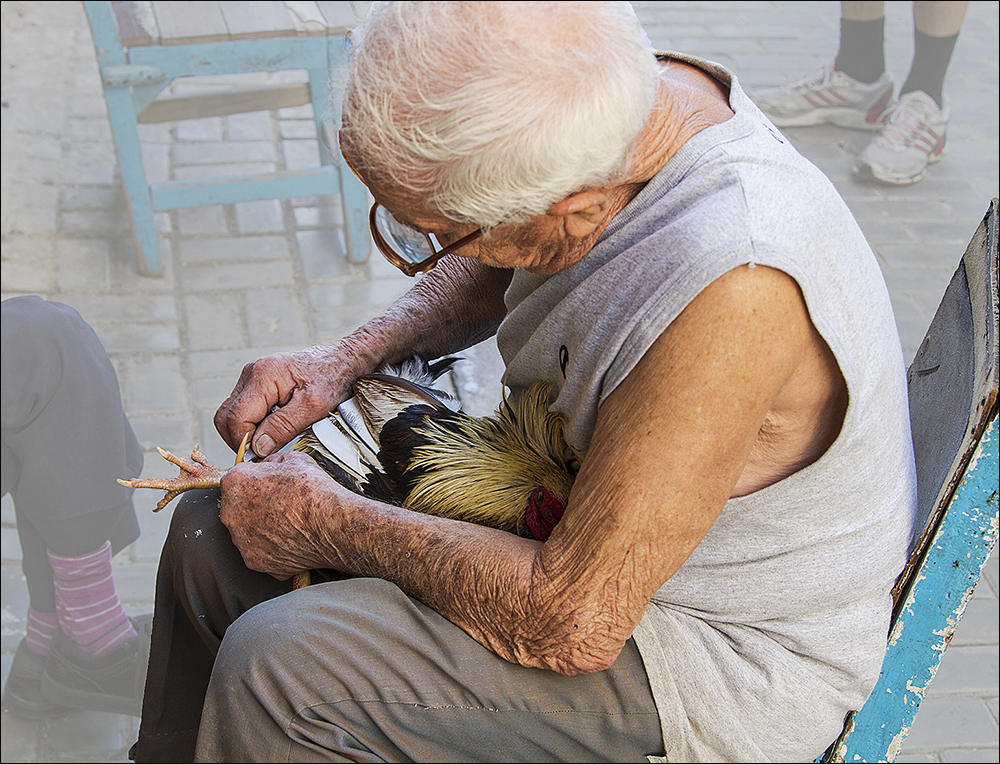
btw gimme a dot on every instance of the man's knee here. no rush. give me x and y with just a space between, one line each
355 618
195 529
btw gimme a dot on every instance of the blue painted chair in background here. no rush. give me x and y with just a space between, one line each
953 414
144 46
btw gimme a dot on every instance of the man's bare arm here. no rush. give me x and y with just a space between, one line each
454 306
669 448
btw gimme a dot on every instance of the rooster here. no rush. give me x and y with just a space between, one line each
402 441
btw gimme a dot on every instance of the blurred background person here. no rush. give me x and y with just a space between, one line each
65 441
856 91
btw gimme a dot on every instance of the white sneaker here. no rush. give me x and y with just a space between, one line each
911 136
826 95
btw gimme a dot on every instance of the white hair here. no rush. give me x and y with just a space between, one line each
493 111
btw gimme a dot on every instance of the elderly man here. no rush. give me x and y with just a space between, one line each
720 341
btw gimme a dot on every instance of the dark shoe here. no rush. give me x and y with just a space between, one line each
112 682
22 696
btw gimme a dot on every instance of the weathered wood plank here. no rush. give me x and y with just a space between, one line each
186 22
340 16
174 194
234 56
136 23
225 103
255 20
171 22
307 16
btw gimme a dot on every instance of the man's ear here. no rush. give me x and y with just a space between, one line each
582 212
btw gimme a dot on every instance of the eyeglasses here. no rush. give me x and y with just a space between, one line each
405 247
408 249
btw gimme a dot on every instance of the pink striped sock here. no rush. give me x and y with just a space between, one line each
39 631
89 610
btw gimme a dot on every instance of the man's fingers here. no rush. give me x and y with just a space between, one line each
239 413
277 429
263 384
276 398
286 422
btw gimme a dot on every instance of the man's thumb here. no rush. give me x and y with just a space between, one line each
279 427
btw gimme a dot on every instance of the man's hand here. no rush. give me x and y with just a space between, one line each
306 386
454 306
282 514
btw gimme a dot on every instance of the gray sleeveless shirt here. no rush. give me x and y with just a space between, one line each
776 625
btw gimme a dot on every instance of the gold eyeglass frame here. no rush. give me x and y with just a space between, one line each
407 267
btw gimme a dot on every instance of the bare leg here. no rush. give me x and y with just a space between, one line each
936 19
936 28
861 10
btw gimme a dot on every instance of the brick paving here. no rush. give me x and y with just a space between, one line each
245 280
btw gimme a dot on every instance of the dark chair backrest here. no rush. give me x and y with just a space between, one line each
953 381
953 414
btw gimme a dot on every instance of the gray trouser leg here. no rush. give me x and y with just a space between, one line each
357 671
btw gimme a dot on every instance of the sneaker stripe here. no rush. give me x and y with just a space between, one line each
876 111
811 102
819 100
838 95
927 140
828 97
912 134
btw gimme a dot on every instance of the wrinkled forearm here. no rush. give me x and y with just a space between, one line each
452 307
456 305
487 582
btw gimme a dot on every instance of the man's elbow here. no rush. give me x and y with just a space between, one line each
575 652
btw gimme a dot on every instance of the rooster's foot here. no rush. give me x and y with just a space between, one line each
197 474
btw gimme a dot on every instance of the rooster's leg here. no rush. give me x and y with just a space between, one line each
198 473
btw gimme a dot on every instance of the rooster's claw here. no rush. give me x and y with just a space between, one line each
199 473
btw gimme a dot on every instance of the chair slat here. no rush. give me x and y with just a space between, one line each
234 56
185 22
255 20
145 23
136 23
340 17
174 194
308 18
226 103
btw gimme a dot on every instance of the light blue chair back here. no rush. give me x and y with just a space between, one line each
953 414
144 46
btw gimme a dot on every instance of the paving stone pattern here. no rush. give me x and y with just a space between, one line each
245 280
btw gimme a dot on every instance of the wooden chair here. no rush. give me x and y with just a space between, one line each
143 46
953 413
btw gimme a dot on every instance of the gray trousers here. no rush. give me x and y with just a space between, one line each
355 670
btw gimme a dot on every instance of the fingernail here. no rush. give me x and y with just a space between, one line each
263 445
